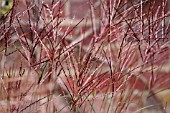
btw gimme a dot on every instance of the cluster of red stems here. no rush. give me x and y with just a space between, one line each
126 49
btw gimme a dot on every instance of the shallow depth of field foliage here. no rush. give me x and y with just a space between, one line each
5 6
104 56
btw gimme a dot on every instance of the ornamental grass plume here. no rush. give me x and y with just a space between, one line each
101 56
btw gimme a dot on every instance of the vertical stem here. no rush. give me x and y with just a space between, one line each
163 21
